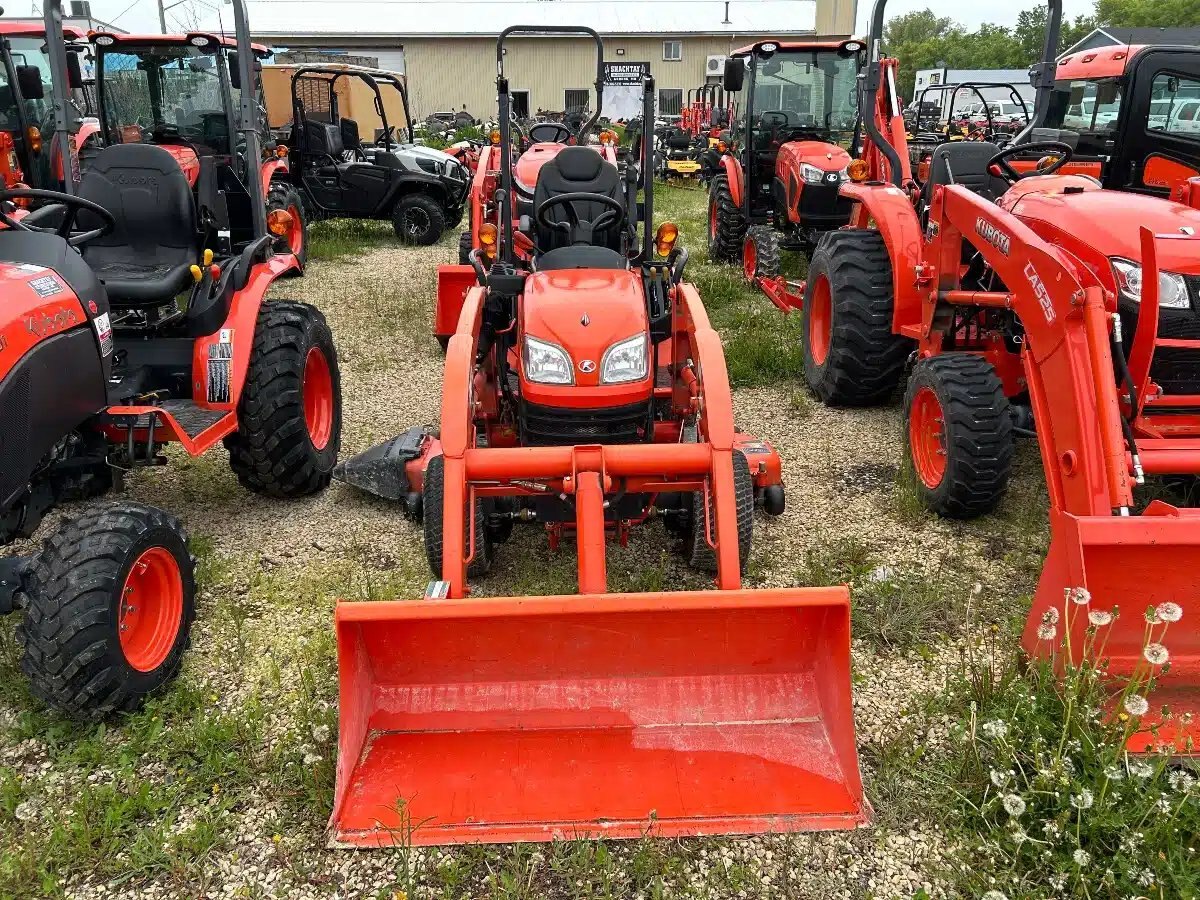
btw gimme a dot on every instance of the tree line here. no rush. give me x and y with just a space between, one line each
923 40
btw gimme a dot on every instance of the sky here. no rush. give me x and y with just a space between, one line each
142 15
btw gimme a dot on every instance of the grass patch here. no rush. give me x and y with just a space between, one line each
335 240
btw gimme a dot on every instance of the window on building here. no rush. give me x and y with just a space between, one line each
576 101
670 102
672 51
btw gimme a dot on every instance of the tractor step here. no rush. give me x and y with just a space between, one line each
191 418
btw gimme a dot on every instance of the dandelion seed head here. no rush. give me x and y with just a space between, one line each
999 779
1081 857
1141 768
1114 772
1100 617
1013 805
1050 616
994 895
1046 632
995 729
1083 800
1079 596
1169 612
1156 654
1137 705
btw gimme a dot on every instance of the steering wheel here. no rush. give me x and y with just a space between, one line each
1001 159
559 133
580 232
73 205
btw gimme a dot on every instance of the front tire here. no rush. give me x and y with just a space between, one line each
958 434
760 254
418 219
700 555
851 356
434 507
109 605
726 227
284 196
290 409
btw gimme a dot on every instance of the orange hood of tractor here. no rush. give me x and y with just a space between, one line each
1108 221
826 157
585 311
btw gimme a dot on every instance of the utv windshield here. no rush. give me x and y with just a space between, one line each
170 90
1090 108
796 91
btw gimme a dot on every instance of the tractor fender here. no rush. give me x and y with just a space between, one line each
235 338
733 175
893 215
272 169
411 183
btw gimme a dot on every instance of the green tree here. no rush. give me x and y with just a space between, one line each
1148 13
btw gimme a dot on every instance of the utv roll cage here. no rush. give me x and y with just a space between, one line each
330 73
974 87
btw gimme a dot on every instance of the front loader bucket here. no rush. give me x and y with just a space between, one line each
1131 562
616 715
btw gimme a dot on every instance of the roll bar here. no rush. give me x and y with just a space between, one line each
371 77
56 51
558 29
648 169
248 125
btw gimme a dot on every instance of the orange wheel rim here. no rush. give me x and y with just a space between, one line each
296 238
749 259
927 437
151 609
820 321
318 398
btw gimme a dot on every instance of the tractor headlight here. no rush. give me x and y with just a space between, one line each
811 174
624 361
546 363
1172 288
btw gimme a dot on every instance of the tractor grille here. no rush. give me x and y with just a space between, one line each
550 426
1175 371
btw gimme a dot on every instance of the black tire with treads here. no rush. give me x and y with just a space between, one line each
70 638
725 240
466 243
977 434
428 215
766 251
700 555
865 360
433 505
271 452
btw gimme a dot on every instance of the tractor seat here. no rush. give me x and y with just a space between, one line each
964 163
148 257
578 169
678 139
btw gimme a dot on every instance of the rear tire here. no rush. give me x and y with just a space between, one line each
284 196
760 254
851 356
700 555
726 227
290 410
962 463
466 243
434 507
418 219
109 604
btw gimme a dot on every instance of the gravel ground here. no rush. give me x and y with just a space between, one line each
263 647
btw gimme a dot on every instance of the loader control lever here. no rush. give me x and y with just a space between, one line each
580 232
1002 159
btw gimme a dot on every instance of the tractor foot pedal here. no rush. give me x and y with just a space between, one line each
382 469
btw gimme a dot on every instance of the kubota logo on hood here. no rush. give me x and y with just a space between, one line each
993 235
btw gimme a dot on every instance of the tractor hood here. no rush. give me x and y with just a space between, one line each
826 157
585 312
1110 221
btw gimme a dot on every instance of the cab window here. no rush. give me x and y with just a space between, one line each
1175 106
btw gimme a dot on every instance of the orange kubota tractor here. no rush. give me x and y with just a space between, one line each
1031 301
586 393
778 187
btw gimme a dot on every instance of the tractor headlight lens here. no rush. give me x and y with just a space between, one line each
1172 288
812 175
625 361
546 363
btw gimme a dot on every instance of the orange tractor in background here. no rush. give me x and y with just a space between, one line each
1032 301
585 393
779 180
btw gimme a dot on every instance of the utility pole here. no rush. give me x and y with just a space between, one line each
162 16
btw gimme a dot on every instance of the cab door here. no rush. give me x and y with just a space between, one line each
1158 146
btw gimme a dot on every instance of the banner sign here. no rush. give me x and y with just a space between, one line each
626 73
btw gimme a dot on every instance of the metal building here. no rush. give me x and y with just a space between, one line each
446 48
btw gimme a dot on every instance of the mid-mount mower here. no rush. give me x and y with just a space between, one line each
779 180
421 191
183 93
1033 300
102 366
586 393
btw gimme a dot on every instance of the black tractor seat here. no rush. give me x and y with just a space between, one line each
964 163
573 170
147 258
